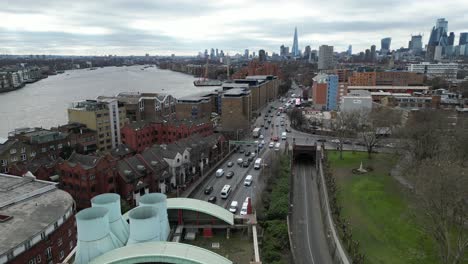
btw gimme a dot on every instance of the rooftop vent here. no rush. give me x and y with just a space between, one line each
94 236
141 168
118 226
158 201
154 163
128 172
144 225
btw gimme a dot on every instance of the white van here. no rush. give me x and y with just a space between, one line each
283 136
258 163
248 180
219 173
225 191
277 146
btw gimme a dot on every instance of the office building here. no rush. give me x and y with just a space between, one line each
193 107
438 37
307 53
105 116
415 44
373 55
36 223
443 70
325 60
262 55
357 100
295 48
325 92
246 53
385 45
463 38
451 39
350 50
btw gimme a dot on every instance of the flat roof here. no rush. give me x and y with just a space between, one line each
388 87
33 204
202 207
236 92
164 252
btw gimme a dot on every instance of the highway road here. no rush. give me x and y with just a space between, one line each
241 192
308 237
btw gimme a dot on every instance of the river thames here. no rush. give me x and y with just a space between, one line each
44 103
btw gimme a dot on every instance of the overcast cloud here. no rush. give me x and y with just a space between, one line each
185 27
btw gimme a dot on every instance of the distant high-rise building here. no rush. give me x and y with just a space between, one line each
367 55
325 61
212 53
350 50
442 23
246 53
307 52
438 38
373 53
295 48
216 53
415 44
463 38
451 39
385 45
206 53
253 54
261 55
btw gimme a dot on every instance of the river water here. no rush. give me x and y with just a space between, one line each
44 103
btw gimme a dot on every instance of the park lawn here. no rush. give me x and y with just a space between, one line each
378 211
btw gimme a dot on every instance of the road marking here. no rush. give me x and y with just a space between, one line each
307 216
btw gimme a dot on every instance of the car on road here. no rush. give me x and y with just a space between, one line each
349 142
244 209
247 153
321 140
233 207
266 127
272 144
390 145
229 174
248 180
219 173
241 151
275 138
245 164
261 137
230 164
208 190
239 161
271 115
337 141
212 199
250 159
269 121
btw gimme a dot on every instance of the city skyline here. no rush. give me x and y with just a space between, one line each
184 28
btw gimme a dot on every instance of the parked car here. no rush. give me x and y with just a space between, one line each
230 164
229 174
208 190
212 199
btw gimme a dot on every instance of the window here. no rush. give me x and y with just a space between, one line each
69 232
23 150
33 154
61 254
44 150
14 158
59 146
92 177
32 261
23 156
27 244
71 245
38 259
55 225
42 235
52 147
48 253
12 151
59 242
4 162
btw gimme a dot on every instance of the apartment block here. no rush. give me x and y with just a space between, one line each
236 110
105 116
390 78
194 107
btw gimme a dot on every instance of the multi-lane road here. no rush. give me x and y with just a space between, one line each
239 191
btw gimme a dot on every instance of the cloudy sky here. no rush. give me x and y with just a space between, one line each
184 27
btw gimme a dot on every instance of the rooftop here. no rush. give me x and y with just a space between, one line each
235 92
201 206
33 204
157 252
193 99
86 161
388 87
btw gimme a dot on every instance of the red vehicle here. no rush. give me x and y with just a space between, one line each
275 138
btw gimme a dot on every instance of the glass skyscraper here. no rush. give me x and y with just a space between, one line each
295 48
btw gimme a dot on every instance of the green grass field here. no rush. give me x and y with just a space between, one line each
378 211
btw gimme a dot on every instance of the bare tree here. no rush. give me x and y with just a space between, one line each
437 151
379 122
345 125
296 117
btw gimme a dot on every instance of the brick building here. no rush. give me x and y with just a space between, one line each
391 78
13 151
263 89
146 106
141 135
82 139
37 223
236 110
85 176
194 107
41 141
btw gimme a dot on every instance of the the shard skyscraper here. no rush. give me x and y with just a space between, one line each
295 48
